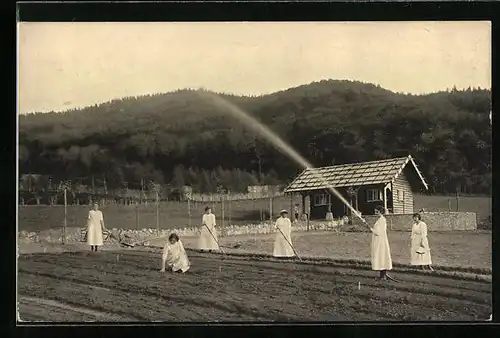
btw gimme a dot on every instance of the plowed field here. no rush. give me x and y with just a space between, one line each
127 286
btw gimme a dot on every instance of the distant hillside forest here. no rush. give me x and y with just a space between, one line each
181 138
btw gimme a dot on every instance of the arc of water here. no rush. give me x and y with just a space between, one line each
274 139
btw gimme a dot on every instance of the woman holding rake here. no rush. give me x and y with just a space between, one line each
283 242
208 239
380 250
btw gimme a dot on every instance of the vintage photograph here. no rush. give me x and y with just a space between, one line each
254 171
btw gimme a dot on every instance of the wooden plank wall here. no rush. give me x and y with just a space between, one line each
403 204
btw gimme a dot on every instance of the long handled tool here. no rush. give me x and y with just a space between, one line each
215 239
389 277
286 239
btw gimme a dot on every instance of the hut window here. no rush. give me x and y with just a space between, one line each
321 199
373 195
400 195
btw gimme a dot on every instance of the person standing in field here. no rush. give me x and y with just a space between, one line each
95 227
174 255
329 217
296 213
420 250
283 241
380 251
208 235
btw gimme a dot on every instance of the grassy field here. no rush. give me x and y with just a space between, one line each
178 215
450 248
126 286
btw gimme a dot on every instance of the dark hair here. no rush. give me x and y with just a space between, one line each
380 209
207 208
417 215
173 236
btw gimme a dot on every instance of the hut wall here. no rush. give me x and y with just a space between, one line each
368 207
339 209
402 195
318 212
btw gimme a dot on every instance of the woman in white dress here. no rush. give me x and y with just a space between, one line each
380 250
174 256
208 235
95 227
420 250
283 241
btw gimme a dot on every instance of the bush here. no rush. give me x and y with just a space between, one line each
485 224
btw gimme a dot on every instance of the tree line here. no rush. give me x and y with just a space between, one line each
181 138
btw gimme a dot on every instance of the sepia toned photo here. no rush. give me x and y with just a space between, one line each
254 172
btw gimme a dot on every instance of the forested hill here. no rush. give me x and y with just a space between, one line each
183 138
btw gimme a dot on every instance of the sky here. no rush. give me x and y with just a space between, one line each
71 65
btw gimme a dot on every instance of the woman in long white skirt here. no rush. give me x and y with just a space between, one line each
208 236
380 250
95 227
283 241
420 250
174 256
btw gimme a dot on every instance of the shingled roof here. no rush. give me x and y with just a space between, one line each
353 174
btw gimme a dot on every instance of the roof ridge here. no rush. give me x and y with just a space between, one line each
353 174
354 163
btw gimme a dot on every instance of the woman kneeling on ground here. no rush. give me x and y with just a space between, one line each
420 250
380 250
174 255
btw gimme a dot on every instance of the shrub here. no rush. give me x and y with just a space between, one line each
485 224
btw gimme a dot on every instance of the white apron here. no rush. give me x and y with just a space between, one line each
206 241
175 256
419 241
381 252
281 246
94 228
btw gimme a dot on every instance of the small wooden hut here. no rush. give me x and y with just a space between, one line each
389 183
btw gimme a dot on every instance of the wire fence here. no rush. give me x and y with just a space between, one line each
156 215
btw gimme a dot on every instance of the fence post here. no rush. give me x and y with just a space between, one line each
189 212
157 213
137 217
65 217
222 208
230 206
261 212
271 210
308 210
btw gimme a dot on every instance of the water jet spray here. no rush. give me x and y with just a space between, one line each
275 140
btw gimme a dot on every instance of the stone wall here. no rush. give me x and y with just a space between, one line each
133 236
436 221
